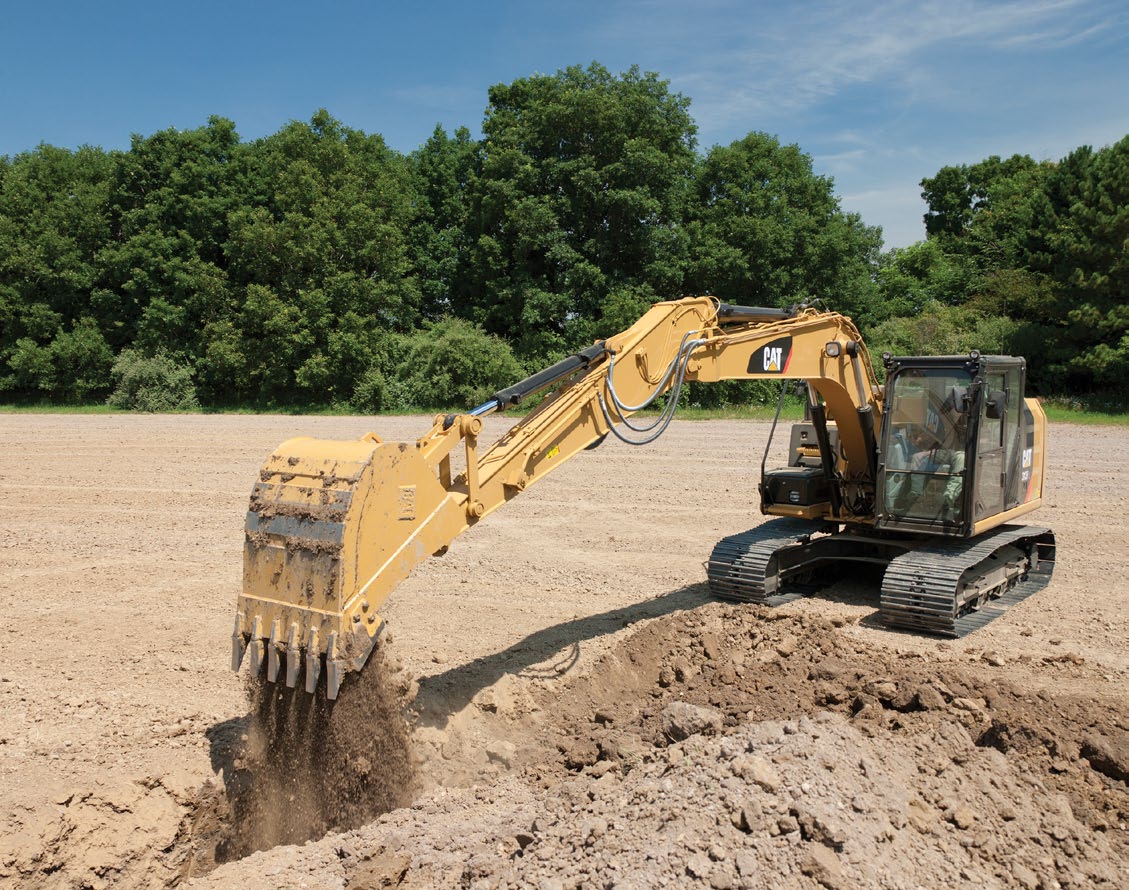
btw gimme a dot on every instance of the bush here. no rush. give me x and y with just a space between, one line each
82 359
731 393
943 330
73 367
371 392
151 383
449 364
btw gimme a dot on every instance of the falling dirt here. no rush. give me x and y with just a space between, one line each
579 712
304 765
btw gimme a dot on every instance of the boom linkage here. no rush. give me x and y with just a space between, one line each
334 527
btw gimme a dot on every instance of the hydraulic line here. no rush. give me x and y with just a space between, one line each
676 390
683 351
772 430
676 371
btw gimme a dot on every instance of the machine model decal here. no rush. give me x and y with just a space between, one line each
406 502
1027 477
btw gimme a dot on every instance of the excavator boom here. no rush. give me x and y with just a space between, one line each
333 527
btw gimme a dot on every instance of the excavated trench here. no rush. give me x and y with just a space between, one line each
294 768
298 766
300 770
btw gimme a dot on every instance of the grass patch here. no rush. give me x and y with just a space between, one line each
789 414
1058 411
43 408
102 408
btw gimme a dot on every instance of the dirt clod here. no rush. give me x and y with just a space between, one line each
681 720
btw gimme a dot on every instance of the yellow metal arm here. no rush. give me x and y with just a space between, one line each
334 527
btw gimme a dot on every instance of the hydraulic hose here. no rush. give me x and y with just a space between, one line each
677 371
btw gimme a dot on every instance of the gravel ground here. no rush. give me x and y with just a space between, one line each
554 660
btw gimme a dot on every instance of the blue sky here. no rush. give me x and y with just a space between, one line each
879 94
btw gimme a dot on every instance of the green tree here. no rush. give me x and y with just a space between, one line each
1047 243
764 229
983 209
911 277
73 367
445 170
54 219
321 266
164 269
1078 240
582 178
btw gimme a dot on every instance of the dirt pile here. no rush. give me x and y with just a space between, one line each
804 758
731 747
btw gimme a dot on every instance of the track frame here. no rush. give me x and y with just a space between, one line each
941 586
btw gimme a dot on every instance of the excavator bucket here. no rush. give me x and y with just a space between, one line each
331 528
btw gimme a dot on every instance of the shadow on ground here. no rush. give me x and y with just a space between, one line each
550 653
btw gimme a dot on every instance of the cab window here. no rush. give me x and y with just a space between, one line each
925 444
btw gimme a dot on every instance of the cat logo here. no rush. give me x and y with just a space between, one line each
772 358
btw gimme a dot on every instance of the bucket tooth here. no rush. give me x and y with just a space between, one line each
255 646
272 653
313 662
293 656
238 644
334 668
334 671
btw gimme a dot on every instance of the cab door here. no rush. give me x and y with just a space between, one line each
924 460
994 434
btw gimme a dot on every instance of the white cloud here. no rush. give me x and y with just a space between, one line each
883 94
769 59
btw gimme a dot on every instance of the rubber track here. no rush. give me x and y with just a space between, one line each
738 564
919 589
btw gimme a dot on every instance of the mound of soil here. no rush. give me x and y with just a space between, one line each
740 747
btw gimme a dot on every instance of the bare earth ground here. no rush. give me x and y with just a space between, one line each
582 714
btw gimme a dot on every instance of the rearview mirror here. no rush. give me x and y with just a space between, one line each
957 400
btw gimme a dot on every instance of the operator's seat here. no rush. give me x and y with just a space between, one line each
937 484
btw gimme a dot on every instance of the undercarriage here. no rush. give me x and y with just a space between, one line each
943 586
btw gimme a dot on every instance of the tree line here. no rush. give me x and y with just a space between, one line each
317 266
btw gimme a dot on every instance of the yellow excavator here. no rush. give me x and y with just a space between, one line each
923 475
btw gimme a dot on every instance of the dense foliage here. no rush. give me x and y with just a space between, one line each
317 266
1039 252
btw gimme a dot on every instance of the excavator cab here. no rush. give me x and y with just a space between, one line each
954 449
